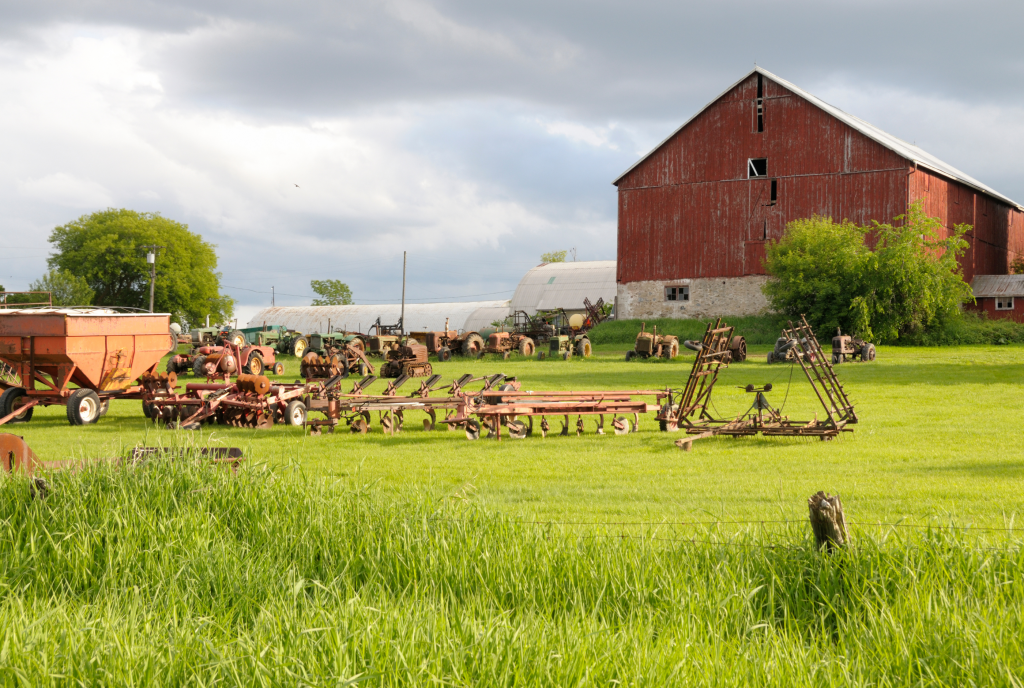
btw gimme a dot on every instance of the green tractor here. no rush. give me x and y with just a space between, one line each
572 341
321 342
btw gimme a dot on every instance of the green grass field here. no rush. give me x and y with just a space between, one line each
939 441
427 559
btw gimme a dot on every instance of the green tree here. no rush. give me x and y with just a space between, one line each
104 248
65 289
553 257
331 292
910 280
1017 266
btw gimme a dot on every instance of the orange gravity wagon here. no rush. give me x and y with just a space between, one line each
100 351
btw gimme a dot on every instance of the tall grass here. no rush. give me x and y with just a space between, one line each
176 573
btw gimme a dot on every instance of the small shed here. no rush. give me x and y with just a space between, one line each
1000 296
550 286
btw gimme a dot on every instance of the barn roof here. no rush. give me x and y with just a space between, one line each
564 285
418 316
985 286
905 150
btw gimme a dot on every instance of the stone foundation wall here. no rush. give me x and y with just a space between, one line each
709 298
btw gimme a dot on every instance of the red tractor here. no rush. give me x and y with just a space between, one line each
205 361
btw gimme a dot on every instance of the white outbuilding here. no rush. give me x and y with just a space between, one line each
550 286
418 316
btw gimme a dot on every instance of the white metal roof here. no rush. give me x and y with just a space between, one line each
564 285
480 320
906 150
418 316
985 286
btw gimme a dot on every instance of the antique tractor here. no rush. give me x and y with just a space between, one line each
446 343
786 350
333 361
846 347
572 340
650 344
408 359
206 361
505 343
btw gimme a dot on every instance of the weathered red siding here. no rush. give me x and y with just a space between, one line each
689 210
988 305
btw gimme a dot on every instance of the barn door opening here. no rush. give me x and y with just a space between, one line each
763 196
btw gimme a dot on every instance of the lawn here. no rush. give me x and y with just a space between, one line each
939 441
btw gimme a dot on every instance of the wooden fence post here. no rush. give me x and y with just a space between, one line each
828 521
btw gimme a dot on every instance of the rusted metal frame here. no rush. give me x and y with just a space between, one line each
829 385
704 374
794 333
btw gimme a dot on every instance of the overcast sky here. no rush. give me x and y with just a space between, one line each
313 140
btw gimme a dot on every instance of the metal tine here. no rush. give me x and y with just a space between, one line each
491 381
363 384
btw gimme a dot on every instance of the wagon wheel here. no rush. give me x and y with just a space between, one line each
359 425
517 429
739 349
12 399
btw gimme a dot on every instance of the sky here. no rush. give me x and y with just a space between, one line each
320 140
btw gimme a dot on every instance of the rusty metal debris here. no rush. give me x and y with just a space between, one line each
688 409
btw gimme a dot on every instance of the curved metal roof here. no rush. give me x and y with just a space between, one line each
418 316
905 150
564 285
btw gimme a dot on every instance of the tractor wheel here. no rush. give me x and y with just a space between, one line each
771 357
198 365
10 400
837 359
473 346
147 409
299 346
738 346
566 355
83 407
237 338
671 350
526 346
357 343
254 366
295 413
583 348
444 354
104 407
630 355
867 353
278 368
171 367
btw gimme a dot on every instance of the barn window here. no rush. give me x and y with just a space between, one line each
1004 303
757 167
677 293
775 191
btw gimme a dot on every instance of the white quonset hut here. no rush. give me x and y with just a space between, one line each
471 315
564 285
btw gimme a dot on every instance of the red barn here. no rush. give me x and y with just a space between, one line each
999 296
695 213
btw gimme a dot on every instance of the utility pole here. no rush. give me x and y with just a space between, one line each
151 250
402 319
272 296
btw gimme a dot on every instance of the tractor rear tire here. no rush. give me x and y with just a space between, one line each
198 366
526 346
671 350
867 353
8 402
473 346
254 366
171 367
771 357
83 407
299 346
444 354
236 338
630 355
738 346
584 349
837 359
295 413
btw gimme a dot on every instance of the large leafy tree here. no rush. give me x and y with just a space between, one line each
65 289
331 292
105 248
908 281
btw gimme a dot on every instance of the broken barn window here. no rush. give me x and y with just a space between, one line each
764 231
757 167
775 191
677 293
1004 303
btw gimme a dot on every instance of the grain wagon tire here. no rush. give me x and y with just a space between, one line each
10 400
171 366
104 407
278 369
237 338
83 407
630 355
295 413
526 346
584 349
444 354
738 346
197 366
671 350
299 346
867 353
473 345
254 366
